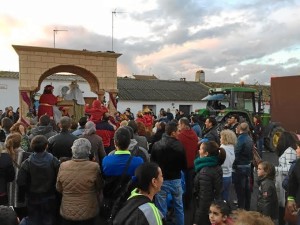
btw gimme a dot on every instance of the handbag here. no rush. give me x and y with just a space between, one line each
289 217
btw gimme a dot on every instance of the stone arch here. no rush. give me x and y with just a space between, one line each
37 63
82 72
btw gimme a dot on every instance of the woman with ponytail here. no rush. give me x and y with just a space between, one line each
139 209
208 180
15 198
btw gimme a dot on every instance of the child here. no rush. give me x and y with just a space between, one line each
219 212
267 202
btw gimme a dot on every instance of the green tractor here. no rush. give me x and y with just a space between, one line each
245 102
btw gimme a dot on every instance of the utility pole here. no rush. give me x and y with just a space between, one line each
54 33
113 13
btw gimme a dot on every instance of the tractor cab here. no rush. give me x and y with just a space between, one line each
223 102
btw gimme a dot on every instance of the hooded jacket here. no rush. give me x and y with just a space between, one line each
47 131
189 140
96 112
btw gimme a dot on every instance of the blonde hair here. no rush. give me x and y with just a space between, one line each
12 142
228 137
123 123
243 217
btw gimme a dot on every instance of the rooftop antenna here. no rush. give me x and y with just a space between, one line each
54 33
113 13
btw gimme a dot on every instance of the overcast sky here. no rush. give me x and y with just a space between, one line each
233 41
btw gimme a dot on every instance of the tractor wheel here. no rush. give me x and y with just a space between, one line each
274 137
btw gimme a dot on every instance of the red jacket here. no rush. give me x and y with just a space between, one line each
96 111
189 140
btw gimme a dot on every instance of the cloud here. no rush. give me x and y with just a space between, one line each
230 40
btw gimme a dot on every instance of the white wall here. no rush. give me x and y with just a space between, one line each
135 106
9 93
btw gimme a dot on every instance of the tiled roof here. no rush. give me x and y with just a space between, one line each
9 74
160 90
154 89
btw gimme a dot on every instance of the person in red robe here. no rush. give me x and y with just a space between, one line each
96 111
47 101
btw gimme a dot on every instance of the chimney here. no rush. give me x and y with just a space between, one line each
200 76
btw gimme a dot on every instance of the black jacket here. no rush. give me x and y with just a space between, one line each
7 171
131 214
267 202
60 144
243 150
38 173
169 154
212 135
208 184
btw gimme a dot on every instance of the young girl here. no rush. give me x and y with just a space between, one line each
219 212
267 202
208 179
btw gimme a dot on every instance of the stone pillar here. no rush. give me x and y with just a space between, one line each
101 94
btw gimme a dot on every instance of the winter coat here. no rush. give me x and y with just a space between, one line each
60 144
7 172
208 184
212 135
138 210
243 150
169 154
79 182
267 202
96 112
37 175
189 140
47 131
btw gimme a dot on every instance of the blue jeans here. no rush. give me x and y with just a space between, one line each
174 188
260 145
241 180
226 188
41 211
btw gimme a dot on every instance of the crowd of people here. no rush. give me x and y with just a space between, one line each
177 169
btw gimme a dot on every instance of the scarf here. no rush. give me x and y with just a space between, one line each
209 161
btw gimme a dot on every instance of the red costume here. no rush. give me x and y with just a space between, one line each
96 112
47 101
148 121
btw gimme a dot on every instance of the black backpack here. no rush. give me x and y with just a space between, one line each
116 190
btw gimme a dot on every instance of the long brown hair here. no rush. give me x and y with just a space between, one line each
12 142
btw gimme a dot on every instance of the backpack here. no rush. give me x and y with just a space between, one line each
137 151
115 192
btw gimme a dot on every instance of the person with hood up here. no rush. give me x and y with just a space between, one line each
96 111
